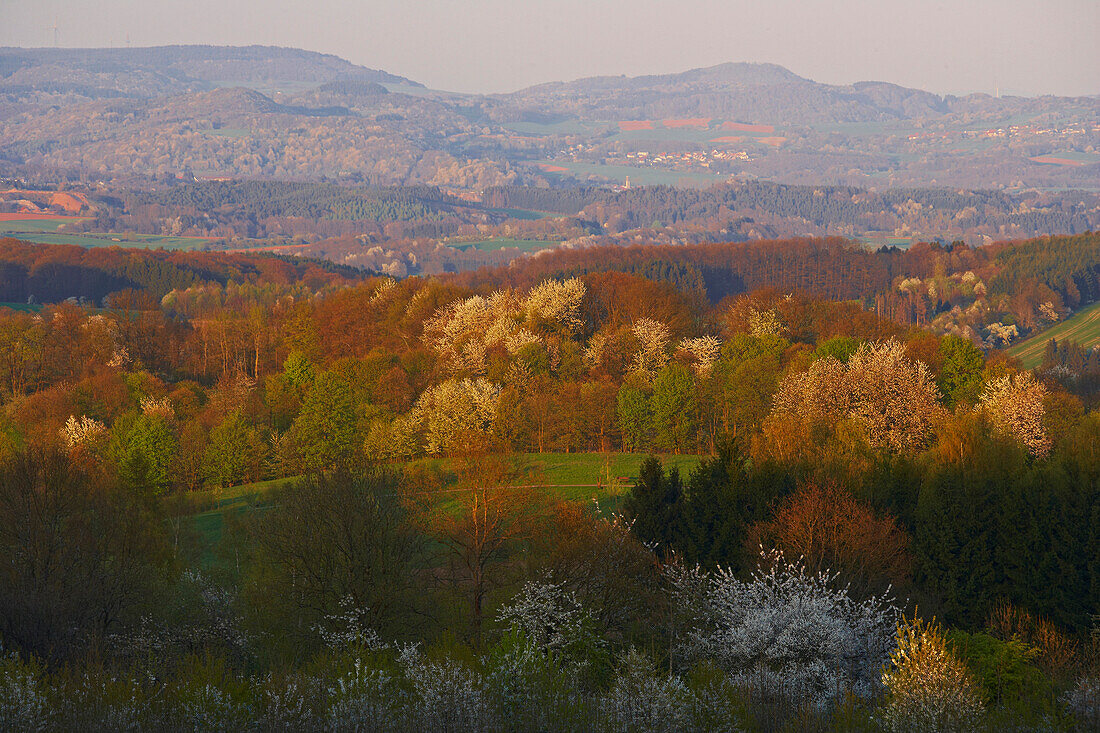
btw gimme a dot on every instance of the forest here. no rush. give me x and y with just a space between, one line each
792 485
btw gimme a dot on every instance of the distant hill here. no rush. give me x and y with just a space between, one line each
147 72
282 113
761 92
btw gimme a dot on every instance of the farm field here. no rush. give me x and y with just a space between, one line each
35 222
573 476
1082 327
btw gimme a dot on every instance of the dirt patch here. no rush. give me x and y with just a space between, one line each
702 122
1052 160
630 125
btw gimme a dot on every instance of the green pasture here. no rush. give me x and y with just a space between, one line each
23 307
1082 327
496 244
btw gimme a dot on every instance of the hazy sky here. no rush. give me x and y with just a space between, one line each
959 46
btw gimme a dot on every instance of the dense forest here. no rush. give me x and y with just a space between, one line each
243 492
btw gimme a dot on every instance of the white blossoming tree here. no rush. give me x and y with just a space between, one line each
1014 405
784 629
653 341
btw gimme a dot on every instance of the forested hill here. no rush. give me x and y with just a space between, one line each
928 209
35 273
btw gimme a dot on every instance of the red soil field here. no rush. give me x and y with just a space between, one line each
72 202
552 168
774 141
628 125
1050 159
728 139
690 122
742 127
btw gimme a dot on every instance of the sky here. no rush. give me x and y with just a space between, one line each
1025 47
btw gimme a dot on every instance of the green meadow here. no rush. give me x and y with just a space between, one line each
1082 327
603 478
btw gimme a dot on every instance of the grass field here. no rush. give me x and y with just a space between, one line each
493 245
23 307
137 241
874 240
524 214
575 476
1082 327
45 231
45 224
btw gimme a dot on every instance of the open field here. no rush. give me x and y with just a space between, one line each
639 175
492 245
138 241
233 133
1082 327
43 229
602 477
35 222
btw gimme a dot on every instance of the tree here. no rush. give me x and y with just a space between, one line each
77 561
144 448
960 374
927 687
825 526
325 430
655 505
795 633
229 453
1014 404
329 546
635 417
480 529
893 399
675 418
